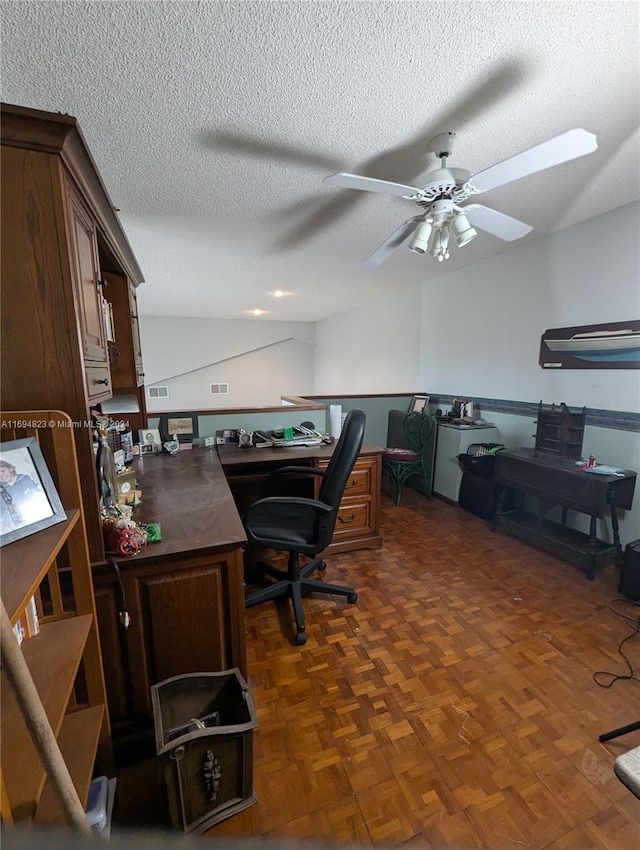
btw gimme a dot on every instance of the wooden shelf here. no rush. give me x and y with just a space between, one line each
78 741
568 543
53 658
26 562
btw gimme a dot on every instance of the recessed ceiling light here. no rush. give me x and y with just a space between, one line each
279 293
256 312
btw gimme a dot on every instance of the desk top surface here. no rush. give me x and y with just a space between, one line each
189 495
552 461
232 455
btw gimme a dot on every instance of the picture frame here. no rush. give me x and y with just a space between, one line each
183 425
150 437
419 403
29 501
613 345
458 407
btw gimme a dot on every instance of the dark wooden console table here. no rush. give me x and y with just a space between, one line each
556 482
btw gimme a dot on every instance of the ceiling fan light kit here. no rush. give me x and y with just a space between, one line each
419 243
446 188
462 230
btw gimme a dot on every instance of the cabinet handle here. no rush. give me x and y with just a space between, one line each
345 519
104 381
353 483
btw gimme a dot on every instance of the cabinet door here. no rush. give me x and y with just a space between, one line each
187 616
135 332
126 369
87 275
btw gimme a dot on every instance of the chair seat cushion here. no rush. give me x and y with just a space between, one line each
400 454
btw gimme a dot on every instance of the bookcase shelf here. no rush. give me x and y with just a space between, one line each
27 561
63 659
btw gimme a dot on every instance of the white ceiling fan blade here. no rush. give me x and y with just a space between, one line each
562 148
392 242
503 226
369 184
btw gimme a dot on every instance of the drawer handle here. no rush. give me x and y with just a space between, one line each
345 519
104 381
353 483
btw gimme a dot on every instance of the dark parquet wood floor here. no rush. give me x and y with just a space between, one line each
453 706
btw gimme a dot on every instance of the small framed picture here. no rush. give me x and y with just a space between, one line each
183 425
29 501
150 437
419 404
458 407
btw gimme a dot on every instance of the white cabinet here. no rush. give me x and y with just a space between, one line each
453 440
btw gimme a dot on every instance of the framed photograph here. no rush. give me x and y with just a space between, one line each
458 407
150 437
419 403
29 501
183 425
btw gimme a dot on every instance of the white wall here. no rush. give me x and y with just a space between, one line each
375 348
480 329
499 308
259 360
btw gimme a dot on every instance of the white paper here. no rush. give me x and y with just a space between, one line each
335 420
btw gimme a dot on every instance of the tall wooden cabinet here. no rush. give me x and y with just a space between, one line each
64 658
63 252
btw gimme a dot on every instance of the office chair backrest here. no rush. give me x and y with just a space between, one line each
343 458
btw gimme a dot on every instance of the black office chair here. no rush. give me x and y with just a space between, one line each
302 526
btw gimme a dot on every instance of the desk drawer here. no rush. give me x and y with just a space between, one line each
359 482
98 383
353 518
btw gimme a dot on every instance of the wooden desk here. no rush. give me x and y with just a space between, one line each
556 482
185 594
358 522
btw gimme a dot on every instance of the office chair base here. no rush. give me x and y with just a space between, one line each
291 583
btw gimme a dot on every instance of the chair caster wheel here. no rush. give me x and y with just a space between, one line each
301 638
322 566
352 597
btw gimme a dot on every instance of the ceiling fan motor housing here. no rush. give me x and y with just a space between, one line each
444 183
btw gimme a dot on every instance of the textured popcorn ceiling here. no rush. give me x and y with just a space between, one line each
213 123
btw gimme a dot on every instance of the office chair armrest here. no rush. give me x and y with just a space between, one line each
283 505
278 484
295 521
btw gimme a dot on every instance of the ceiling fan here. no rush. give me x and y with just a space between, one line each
444 190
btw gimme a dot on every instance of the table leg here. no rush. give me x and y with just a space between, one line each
614 528
499 507
593 541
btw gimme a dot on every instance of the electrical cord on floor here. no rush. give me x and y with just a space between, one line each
634 622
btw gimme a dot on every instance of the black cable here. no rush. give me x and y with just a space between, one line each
635 623
123 614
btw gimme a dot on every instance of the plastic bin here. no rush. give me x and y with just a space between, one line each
478 494
629 584
479 458
204 731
